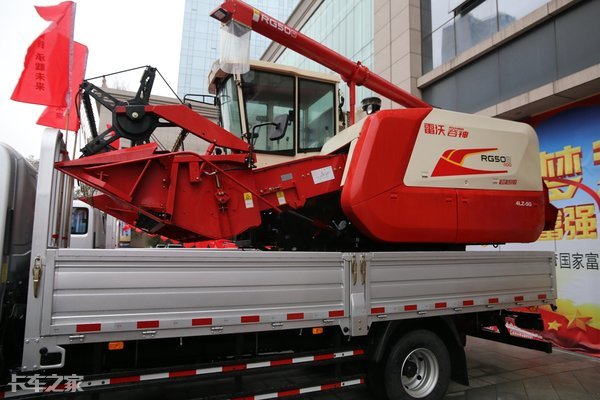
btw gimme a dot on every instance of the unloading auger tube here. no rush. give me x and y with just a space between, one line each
414 178
354 73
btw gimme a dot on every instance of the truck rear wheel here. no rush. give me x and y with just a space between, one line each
418 367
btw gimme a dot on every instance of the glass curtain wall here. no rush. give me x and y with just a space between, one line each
450 27
200 40
345 26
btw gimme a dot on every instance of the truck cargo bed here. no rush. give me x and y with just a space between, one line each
128 294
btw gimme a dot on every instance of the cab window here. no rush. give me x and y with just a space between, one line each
316 114
79 221
267 95
230 107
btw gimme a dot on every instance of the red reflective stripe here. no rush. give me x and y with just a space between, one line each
124 379
292 316
442 304
250 318
411 307
468 302
519 298
238 367
331 386
541 296
359 352
362 381
322 357
493 300
179 374
147 324
287 361
377 310
336 313
88 327
1 395
201 321
287 393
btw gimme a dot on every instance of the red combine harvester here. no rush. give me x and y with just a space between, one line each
279 172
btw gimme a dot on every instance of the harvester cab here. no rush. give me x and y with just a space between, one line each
283 113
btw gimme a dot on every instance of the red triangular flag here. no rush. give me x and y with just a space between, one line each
45 76
56 117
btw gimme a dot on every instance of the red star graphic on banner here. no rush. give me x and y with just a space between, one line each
578 321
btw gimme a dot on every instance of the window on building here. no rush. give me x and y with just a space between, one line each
450 27
316 114
267 95
79 221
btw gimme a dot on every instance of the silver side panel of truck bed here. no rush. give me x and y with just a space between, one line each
102 295
458 281
120 288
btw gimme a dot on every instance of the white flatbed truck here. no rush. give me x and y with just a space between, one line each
231 311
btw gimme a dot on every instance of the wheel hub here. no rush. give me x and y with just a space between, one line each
410 369
420 372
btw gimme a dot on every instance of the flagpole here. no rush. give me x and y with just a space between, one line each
69 192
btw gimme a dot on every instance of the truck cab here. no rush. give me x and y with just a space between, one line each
248 101
17 199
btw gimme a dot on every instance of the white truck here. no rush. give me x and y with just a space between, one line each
122 317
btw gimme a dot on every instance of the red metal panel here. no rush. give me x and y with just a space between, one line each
196 124
224 202
375 197
377 201
499 216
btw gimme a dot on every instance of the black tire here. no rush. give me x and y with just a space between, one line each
418 367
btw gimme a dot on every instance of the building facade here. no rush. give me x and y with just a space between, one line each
536 61
200 40
492 57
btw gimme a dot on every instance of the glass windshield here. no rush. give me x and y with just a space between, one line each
267 95
316 118
230 107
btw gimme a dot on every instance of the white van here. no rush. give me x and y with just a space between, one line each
91 228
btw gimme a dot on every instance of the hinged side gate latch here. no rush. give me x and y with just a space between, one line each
37 275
